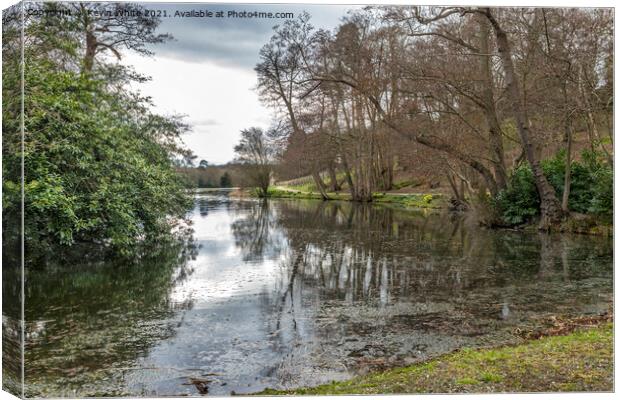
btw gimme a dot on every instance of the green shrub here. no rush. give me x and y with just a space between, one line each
603 201
519 202
591 188
583 179
98 165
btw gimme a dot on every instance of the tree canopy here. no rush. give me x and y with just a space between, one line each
463 94
98 161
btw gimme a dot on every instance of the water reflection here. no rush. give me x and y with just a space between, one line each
87 323
288 293
255 233
363 252
11 304
11 326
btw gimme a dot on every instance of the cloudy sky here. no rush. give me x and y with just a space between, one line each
206 72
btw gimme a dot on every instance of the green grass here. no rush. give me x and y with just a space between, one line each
304 187
405 183
404 200
290 193
580 361
425 200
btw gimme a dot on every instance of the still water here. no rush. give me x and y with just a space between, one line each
290 293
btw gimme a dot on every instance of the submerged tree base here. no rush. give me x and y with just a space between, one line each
585 224
579 361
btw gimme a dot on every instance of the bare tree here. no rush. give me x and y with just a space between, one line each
256 151
448 91
111 28
281 68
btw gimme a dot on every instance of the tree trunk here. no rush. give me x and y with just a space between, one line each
343 157
458 189
347 173
495 130
320 185
568 136
550 208
455 190
567 169
89 56
333 179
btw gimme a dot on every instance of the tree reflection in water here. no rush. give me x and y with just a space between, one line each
359 271
254 232
287 293
93 319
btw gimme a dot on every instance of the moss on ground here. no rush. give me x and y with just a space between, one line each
580 361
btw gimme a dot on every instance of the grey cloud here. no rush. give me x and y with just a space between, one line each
233 42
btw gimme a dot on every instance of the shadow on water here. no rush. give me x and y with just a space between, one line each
11 304
11 318
390 288
290 293
87 321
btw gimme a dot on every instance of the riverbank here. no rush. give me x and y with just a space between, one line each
578 361
577 223
408 200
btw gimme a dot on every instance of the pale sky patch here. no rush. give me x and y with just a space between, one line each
207 72
218 102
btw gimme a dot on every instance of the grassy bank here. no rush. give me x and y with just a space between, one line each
434 201
575 223
579 361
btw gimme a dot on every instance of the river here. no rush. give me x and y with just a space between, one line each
289 293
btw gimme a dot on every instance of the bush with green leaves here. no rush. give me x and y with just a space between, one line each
591 190
583 179
98 164
602 203
519 202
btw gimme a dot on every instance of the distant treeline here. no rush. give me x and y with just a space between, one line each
213 176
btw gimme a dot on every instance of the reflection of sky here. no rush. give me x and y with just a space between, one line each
219 271
360 294
233 333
